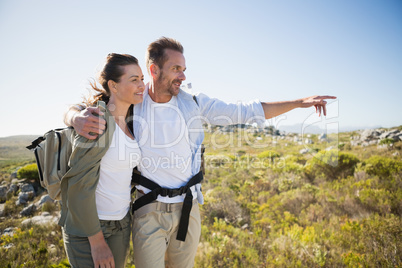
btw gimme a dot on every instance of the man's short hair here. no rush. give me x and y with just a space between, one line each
156 50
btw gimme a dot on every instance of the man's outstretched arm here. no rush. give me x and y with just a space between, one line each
85 122
272 109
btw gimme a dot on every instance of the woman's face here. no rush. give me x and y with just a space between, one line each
131 85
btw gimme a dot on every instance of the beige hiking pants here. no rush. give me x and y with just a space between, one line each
154 236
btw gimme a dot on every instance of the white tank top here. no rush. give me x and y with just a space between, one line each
113 191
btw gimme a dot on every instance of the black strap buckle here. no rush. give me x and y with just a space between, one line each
164 192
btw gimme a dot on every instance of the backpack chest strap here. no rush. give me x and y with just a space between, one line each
157 190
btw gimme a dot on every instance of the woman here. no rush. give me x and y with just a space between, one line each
96 197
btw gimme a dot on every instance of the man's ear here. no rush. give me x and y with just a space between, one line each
154 70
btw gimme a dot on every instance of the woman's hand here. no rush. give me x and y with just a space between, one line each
101 253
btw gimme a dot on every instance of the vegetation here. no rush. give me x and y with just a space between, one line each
268 205
28 172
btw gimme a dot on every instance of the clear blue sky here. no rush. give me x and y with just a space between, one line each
235 50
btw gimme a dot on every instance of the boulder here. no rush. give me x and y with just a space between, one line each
388 134
52 249
308 141
322 137
27 187
8 246
2 208
28 211
44 199
8 231
354 143
3 193
24 197
304 151
44 219
12 190
369 134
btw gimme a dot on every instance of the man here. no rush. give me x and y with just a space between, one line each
168 127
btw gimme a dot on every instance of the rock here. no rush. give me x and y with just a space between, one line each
322 137
8 231
26 187
24 197
296 139
15 181
369 134
2 208
354 143
373 142
43 219
308 141
304 151
8 246
389 134
44 199
3 193
28 211
365 144
52 249
12 190
13 175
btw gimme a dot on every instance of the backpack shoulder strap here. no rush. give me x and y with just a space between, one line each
40 139
195 99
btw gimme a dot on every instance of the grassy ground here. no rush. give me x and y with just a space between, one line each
267 205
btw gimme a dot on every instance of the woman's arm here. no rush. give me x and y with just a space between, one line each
100 251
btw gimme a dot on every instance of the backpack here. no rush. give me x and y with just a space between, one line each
52 153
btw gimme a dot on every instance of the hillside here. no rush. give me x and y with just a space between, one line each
13 151
270 201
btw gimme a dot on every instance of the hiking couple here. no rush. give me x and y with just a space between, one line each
133 125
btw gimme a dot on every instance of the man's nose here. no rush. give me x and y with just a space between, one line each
182 76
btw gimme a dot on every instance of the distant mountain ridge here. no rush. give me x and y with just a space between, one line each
311 129
13 149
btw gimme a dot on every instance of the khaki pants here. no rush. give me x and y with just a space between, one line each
154 236
117 236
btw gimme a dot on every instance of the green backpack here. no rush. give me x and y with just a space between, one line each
52 153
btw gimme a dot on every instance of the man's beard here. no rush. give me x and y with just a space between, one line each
170 87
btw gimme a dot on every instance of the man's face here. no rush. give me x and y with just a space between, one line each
172 73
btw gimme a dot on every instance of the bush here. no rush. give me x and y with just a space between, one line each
387 141
382 166
332 165
268 154
28 172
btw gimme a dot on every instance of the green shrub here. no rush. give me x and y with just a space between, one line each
331 165
268 154
28 172
382 166
387 141
372 242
